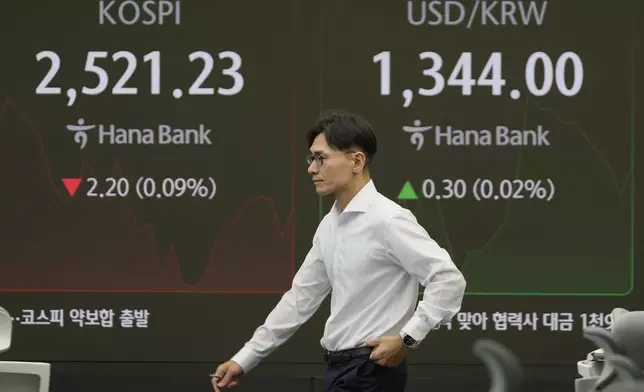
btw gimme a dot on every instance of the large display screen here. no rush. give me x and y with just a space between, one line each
156 203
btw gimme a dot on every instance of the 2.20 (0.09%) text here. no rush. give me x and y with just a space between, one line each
152 188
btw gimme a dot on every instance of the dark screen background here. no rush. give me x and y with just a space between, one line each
207 272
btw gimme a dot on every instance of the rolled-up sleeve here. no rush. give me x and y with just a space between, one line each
422 257
310 286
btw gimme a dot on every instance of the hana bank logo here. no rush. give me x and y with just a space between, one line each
80 132
417 138
156 134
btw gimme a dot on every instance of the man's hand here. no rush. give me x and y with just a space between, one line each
388 350
226 375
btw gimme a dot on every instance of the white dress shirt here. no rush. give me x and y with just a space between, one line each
370 257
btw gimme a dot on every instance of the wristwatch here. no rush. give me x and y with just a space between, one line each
408 341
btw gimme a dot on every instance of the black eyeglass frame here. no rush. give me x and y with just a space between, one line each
319 158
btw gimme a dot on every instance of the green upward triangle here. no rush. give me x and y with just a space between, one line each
407 192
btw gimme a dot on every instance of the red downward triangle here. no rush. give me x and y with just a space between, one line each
72 185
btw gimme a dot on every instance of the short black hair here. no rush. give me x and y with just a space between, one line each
344 131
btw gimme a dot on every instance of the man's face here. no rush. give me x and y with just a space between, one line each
331 170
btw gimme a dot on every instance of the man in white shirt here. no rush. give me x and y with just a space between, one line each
370 254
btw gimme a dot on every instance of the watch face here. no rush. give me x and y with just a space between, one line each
408 341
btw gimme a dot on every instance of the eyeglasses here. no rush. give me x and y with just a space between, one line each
319 159
310 157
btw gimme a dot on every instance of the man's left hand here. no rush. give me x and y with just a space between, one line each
388 350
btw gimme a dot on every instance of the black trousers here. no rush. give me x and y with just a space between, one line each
364 375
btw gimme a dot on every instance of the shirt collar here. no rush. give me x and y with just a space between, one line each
362 200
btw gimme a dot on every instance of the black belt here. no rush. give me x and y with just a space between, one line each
331 357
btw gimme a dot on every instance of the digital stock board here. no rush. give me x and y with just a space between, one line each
156 204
